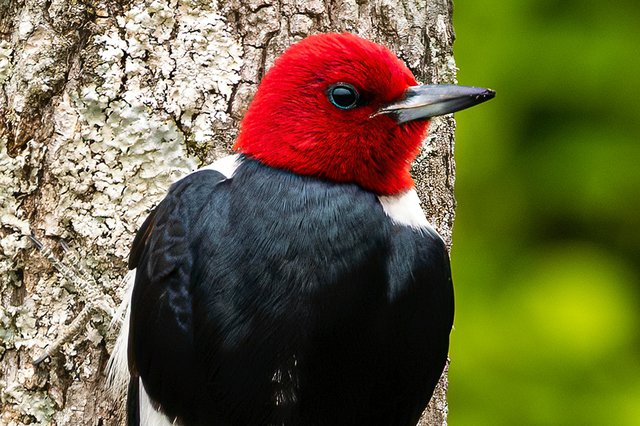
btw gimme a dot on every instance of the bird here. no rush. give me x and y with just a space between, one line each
298 281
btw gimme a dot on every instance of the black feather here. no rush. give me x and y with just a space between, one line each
273 298
133 402
140 240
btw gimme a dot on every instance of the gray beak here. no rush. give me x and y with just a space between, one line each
431 100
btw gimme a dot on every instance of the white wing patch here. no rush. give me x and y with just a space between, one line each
149 416
404 209
225 165
118 365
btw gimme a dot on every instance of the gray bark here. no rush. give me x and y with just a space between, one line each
102 105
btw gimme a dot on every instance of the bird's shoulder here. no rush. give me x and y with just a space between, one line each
182 203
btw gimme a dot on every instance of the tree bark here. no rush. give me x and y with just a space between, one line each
103 103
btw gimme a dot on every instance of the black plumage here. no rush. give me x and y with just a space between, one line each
272 298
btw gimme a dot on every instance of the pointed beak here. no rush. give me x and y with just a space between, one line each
431 100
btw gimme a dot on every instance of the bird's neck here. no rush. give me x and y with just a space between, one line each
377 160
381 179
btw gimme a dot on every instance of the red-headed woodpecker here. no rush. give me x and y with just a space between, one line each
298 282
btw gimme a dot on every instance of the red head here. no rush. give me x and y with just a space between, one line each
323 109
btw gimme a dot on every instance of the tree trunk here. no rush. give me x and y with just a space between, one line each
104 103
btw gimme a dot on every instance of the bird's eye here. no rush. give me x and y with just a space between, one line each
343 95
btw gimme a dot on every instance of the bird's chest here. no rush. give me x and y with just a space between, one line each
296 240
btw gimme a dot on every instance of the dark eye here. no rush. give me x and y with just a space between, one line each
343 95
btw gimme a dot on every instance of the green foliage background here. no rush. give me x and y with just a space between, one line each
546 254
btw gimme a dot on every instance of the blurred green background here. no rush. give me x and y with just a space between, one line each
546 252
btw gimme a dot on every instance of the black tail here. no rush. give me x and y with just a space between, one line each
133 402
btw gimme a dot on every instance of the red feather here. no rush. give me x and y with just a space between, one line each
291 124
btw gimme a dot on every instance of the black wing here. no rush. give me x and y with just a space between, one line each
160 345
421 296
